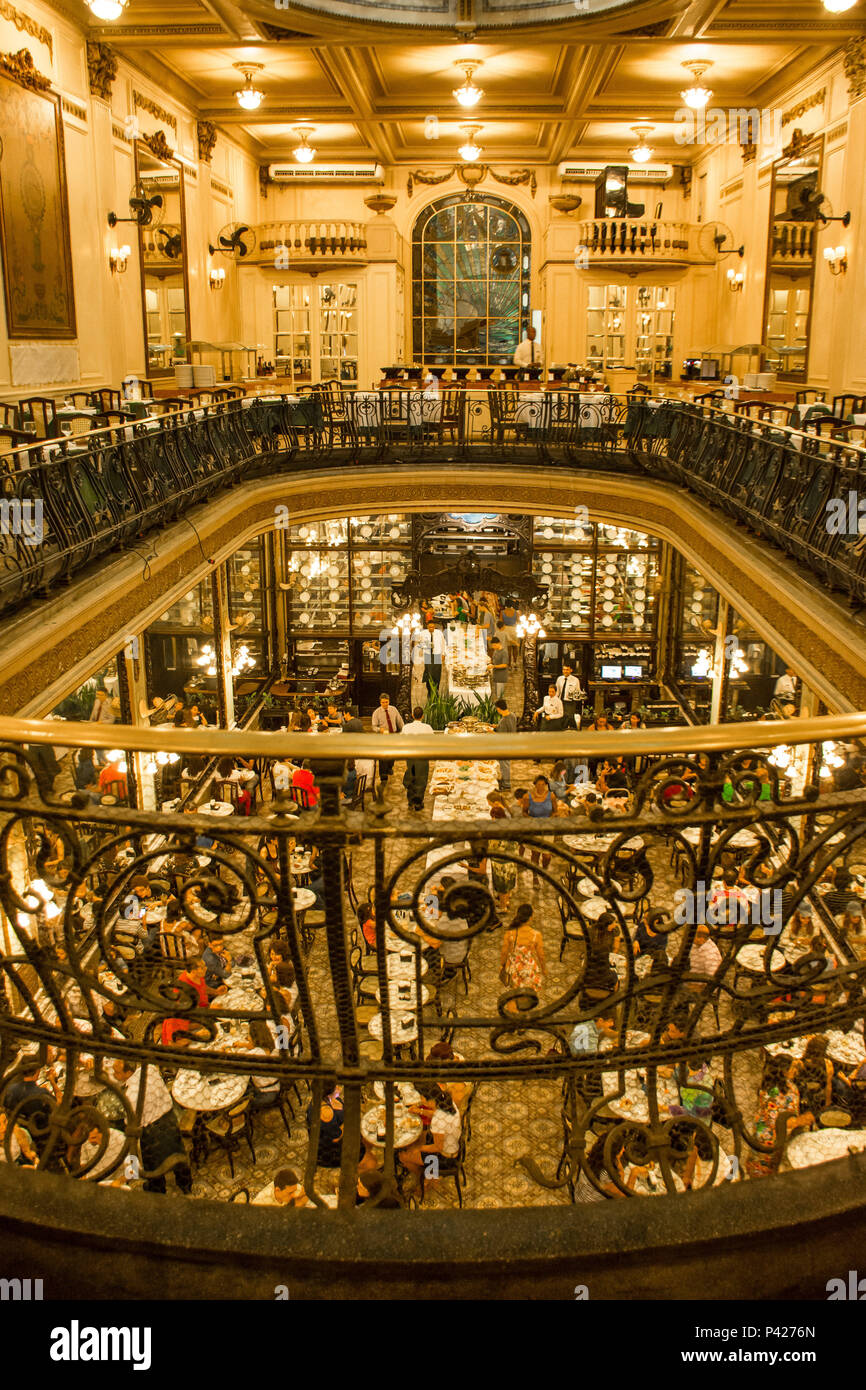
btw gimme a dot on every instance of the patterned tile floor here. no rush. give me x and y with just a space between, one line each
509 1120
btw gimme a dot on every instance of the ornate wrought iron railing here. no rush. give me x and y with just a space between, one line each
65 503
664 1095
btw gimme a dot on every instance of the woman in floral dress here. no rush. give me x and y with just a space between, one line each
778 1094
522 964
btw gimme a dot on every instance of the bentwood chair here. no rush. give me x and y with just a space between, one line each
42 411
8 415
107 399
228 1129
80 399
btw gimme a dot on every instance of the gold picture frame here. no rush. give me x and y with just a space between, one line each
34 211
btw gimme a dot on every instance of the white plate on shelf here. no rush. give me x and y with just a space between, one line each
366 583
607 606
607 620
367 532
394 533
395 570
305 596
547 569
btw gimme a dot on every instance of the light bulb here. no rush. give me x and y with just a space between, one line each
305 154
696 97
113 9
249 98
470 151
642 153
839 6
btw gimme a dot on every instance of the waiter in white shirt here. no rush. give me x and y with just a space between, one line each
528 352
569 690
786 686
551 710
417 769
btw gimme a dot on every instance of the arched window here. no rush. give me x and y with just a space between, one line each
470 280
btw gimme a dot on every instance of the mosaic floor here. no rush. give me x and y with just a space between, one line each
509 1120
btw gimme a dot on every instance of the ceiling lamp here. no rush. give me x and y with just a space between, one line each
468 95
249 97
470 152
108 9
641 153
696 97
304 154
839 6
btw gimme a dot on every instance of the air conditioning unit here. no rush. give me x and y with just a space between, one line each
637 173
326 173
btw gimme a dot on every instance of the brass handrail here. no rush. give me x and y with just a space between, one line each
689 739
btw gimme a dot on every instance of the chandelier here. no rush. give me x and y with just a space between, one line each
697 96
241 660
106 9
641 153
470 150
304 153
739 666
468 95
249 97
831 759
529 626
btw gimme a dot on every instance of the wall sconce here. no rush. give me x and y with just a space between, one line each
118 259
836 258
735 280
216 278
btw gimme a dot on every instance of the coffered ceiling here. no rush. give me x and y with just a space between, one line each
559 79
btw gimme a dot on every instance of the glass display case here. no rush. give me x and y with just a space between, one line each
292 336
319 594
568 576
391 530
625 596
374 572
338 337
606 325
700 603
654 331
244 575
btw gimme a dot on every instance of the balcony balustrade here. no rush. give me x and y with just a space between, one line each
667 1079
299 243
68 502
616 241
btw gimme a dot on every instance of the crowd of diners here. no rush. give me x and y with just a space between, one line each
159 944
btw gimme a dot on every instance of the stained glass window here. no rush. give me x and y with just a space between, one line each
470 280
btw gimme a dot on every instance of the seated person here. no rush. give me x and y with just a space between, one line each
303 781
347 791
112 776
218 962
180 1031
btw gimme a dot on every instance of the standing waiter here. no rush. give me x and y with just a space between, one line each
569 690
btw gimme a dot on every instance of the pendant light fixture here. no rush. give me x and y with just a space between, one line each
249 97
697 96
470 150
468 95
106 9
304 153
641 153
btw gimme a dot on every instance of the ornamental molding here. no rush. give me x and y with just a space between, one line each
750 152
854 63
145 103
101 69
71 108
21 69
472 175
158 145
206 134
795 112
26 25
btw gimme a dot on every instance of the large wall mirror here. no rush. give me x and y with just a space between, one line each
162 247
795 196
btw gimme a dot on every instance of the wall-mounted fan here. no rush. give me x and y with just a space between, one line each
824 213
147 209
716 240
236 239
170 243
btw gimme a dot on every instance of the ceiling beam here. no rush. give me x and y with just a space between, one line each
693 21
346 75
591 69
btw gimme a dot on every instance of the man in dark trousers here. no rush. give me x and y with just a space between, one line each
386 720
569 690
507 725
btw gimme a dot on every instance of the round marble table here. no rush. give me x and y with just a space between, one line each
215 808
398 969
407 1127
195 1091
822 1145
397 1000
404 1027
303 899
